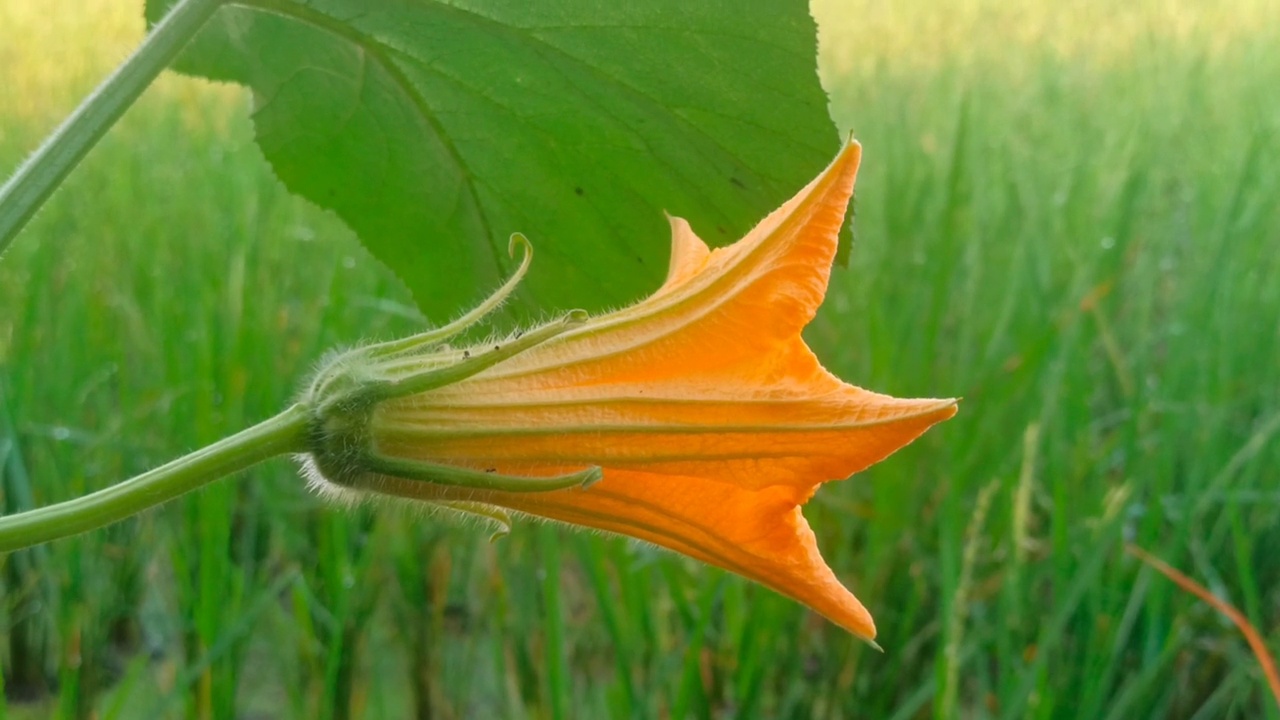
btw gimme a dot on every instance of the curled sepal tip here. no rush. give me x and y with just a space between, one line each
442 334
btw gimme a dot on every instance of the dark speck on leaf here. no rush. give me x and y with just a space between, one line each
737 182
578 191
496 348
489 470
466 354
721 230
519 333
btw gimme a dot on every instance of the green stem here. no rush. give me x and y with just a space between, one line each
42 173
284 433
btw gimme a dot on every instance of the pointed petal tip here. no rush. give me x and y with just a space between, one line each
835 184
850 154
688 254
949 406
848 613
934 410
938 409
864 630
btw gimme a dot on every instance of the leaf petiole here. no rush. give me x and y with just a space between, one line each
36 179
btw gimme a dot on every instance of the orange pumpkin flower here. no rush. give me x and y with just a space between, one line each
696 419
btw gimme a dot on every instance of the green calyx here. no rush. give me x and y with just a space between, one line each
343 395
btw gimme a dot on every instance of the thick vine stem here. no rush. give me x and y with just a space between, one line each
36 179
283 434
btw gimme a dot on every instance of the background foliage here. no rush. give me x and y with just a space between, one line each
1066 214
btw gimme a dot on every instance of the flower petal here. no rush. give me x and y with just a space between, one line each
688 255
712 421
731 307
726 389
759 534
745 435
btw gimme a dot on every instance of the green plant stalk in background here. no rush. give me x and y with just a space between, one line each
22 195
284 433
42 173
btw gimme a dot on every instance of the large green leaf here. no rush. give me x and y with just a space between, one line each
437 129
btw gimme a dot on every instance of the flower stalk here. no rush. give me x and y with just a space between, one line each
283 434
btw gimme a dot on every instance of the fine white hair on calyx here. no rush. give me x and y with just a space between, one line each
349 498
320 485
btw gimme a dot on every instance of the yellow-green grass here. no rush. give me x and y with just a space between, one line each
1066 215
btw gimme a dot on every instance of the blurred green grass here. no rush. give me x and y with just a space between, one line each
1066 214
